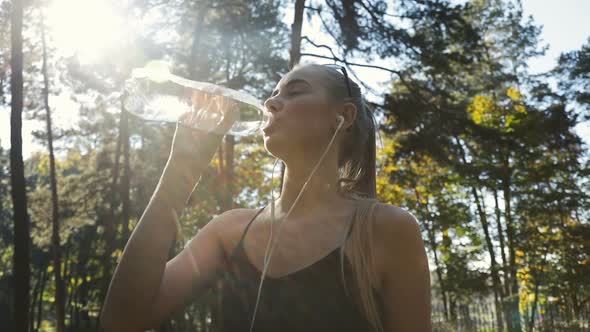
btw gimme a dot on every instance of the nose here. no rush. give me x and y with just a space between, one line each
272 104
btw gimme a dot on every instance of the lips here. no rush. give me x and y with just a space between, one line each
270 127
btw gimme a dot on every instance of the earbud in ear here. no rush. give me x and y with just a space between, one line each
340 123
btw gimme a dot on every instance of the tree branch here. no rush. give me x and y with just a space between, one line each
337 59
319 45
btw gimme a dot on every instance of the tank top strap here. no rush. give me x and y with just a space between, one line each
240 243
351 222
350 225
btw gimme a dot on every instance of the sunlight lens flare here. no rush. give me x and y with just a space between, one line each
88 29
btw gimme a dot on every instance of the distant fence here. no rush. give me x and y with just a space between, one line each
481 317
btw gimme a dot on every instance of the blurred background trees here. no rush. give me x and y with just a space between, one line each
482 152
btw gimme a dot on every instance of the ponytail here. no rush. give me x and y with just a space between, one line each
357 158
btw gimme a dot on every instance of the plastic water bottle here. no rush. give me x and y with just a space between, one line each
155 94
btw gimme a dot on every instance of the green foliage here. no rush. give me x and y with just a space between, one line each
498 132
573 73
482 153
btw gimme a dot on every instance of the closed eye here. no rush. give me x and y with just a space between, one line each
290 93
294 87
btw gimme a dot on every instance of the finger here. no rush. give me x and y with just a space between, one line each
198 115
230 115
211 103
192 118
197 97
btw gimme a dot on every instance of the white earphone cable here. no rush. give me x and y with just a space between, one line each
271 245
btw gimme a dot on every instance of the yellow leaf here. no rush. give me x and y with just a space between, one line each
482 110
509 119
513 94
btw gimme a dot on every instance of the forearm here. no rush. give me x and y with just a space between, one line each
137 278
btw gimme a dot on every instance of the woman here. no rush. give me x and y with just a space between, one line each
343 262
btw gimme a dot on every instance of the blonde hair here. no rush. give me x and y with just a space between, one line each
362 262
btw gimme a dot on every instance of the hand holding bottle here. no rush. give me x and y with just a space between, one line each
199 132
154 94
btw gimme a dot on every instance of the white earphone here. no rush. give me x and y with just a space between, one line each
340 120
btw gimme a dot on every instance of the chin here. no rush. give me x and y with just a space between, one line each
275 144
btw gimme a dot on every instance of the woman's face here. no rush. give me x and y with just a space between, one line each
302 113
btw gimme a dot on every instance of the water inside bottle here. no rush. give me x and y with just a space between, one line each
157 95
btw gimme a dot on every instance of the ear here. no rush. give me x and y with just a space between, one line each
349 112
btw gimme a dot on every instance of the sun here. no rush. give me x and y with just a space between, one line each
88 29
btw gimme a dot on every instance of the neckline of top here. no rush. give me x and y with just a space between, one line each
298 271
292 274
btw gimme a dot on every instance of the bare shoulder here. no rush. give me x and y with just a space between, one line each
233 216
394 221
230 225
398 240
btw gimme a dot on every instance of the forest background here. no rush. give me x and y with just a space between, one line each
484 144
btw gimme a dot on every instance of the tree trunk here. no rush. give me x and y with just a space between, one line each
195 66
534 307
434 248
294 54
125 181
84 255
40 301
498 294
35 295
110 224
55 238
502 243
295 51
496 282
228 176
22 246
439 273
514 318
67 274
